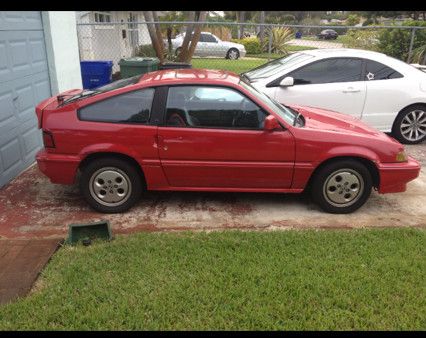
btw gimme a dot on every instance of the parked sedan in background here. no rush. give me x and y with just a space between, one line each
211 45
384 92
328 34
209 130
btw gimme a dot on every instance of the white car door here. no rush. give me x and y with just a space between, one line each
333 83
387 91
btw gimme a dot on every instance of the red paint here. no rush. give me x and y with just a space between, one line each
191 159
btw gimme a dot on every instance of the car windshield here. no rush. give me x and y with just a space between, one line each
106 88
271 68
288 115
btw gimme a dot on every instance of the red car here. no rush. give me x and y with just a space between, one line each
208 130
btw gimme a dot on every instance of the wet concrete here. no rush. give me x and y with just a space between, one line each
32 207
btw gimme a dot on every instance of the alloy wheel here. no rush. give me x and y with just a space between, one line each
413 125
110 186
343 187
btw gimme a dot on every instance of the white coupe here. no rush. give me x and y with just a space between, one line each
384 92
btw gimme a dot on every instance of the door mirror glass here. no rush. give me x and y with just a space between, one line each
271 123
287 82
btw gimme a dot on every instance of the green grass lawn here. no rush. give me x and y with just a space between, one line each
237 66
282 280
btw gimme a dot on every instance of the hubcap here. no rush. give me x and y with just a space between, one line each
110 186
233 54
343 187
413 125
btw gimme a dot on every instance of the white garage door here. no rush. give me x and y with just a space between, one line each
24 82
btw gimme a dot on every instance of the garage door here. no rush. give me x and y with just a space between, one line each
24 82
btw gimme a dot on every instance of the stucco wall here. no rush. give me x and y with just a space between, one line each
60 33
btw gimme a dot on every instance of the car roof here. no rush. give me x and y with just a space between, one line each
352 52
183 76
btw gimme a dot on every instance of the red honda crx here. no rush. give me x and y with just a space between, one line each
209 130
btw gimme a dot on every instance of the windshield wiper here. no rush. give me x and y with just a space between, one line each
245 76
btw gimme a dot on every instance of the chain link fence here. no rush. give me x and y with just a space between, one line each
239 47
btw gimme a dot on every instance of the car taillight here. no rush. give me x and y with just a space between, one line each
48 139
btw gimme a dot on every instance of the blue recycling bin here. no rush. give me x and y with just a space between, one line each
96 73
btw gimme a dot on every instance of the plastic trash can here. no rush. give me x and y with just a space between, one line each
137 65
174 65
96 73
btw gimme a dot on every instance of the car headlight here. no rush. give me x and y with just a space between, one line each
401 156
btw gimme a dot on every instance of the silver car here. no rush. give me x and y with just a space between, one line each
211 45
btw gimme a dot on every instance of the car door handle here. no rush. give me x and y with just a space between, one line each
351 90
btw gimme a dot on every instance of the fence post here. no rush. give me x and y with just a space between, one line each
410 51
270 44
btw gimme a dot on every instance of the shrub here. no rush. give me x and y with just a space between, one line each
362 39
146 50
396 42
280 36
251 44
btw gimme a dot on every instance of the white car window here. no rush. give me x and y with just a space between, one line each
271 68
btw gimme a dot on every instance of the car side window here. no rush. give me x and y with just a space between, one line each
212 107
131 107
377 71
209 38
329 71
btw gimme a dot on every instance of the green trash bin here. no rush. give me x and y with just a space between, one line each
137 65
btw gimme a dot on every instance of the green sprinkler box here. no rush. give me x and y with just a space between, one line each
88 232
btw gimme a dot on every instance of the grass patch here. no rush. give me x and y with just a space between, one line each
236 66
286 280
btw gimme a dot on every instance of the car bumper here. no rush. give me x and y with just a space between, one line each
395 176
59 168
242 53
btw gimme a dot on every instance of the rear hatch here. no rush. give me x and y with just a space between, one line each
52 103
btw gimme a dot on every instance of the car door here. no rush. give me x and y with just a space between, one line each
213 137
201 49
385 96
333 83
211 45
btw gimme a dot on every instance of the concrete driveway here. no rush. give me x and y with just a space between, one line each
31 207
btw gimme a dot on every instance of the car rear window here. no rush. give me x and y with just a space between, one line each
131 107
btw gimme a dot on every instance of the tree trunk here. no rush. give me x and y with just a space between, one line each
153 35
262 27
158 32
196 37
186 40
242 19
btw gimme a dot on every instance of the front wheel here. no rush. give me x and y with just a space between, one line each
233 54
110 185
410 125
341 187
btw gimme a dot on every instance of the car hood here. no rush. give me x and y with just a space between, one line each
323 119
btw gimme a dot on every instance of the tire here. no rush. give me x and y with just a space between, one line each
95 185
233 54
401 129
341 187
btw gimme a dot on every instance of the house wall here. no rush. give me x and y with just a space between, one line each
106 42
62 50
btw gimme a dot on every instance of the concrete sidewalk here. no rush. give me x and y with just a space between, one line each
20 264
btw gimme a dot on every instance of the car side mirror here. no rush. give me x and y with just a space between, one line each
287 82
271 123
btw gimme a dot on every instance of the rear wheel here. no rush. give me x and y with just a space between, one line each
233 54
110 185
341 187
410 125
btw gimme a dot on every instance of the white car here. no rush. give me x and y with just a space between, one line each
384 92
211 45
